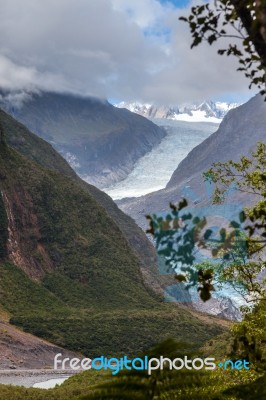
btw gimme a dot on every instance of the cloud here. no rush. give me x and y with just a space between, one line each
18 77
124 49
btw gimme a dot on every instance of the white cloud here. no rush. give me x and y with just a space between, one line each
15 77
144 13
109 48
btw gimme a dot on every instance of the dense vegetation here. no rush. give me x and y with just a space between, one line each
78 283
164 384
38 150
89 328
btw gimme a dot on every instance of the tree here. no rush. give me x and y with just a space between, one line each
239 20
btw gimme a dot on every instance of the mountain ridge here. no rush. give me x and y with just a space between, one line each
207 111
101 142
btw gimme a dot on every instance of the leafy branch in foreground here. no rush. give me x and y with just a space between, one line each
240 21
236 250
182 235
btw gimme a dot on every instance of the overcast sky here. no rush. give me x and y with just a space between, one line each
116 49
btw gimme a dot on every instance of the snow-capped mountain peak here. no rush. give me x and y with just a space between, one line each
208 111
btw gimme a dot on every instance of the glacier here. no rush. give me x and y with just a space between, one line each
153 171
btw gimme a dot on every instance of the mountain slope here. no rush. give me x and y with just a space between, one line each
38 150
68 275
236 136
25 351
101 142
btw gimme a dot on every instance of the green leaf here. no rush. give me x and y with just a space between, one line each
205 294
234 224
180 278
212 39
242 216
207 234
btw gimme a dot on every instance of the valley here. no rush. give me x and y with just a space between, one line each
59 286
154 170
132 200
59 282
187 181
225 144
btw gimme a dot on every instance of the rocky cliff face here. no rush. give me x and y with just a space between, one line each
101 142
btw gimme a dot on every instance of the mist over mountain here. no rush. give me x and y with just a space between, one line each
101 142
207 111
